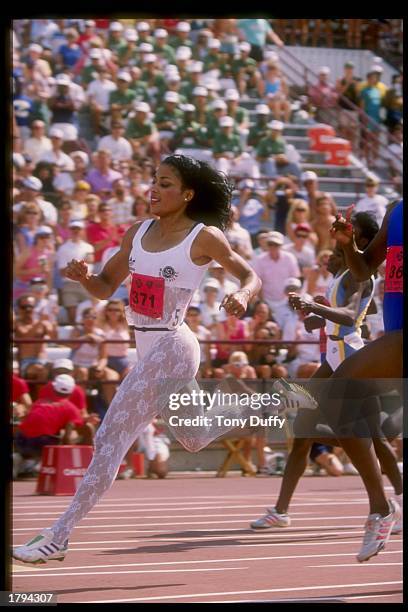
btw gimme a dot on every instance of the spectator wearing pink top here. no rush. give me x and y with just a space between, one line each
102 235
324 97
36 260
274 267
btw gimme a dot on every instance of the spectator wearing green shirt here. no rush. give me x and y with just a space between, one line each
260 128
200 98
154 79
162 49
144 32
183 57
121 100
194 70
116 40
142 133
217 109
212 60
239 114
90 72
244 70
188 134
228 152
182 36
269 147
137 85
167 118
200 48
128 54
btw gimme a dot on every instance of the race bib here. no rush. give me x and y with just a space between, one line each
147 295
393 269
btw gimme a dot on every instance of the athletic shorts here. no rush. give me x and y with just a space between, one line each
338 350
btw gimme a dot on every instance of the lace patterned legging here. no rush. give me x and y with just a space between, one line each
170 361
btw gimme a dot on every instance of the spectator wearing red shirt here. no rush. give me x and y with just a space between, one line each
47 419
20 397
77 397
324 97
102 235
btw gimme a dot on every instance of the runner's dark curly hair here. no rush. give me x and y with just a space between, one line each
211 203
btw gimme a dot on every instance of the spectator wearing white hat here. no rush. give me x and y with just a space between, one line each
199 95
64 107
244 70
144 32
32 187
216 110
213 59
98 94
210 306
181 37
115 142
90 71
165 52
142 132
200 48
116 40
188 134
324 97
77 396
274 267
239 237
192 80
183 58
155 80
252 210
228 153
310 183
36 63
121 99
372 202
75 247
57 155
38 143
167 118
128 53
269 147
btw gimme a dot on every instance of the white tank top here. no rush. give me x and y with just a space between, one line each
181 276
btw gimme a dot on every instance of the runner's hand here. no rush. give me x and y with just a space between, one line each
342 230
236 303
76 270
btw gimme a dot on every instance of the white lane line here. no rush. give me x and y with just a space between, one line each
281 590
195 561
155 571
357 565
178 516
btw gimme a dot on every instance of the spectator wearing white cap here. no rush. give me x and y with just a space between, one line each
144 32
98 94
324 97
64 106
269 147
142 132
57 155
372 202
115 142
183 57
77 396
238 113
216 110
239 237
38 143
244 70
252 210
165 52
121 99
188 135
228 153
155 80
210 306
200 100
36 62
75 247
274 267
116 40
310 184
181 36
128 53
213 58
90 71
192 80
167 118
32 187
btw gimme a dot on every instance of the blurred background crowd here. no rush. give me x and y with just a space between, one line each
96 104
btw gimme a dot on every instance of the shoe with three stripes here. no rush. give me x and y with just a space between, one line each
294 395
271 519
41 549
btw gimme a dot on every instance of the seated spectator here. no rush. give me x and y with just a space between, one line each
393 102
229 329
301 248
227 285
394 155
77 395
114 324
38 144
46 303
121 203
261 318
274 267
162 49
349 119
36 260
118 146
194 321
310 182
90 357
322 220
49 422
63 107
269 147
98 95
168 118
78 199
302 360
61 230
71 52
274 90
29 220
251 209
73 293
210 308
372 202
259 129
56 155
32 357
32 187
92 209
228 152
324 97
103 234
319 277
238 366
244 70
101 177
142 132
238 113
285 167
279 196
239 237
299 213
121 99
264 357
188 135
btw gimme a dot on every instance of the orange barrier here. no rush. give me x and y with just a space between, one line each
319 135
338 151
137 464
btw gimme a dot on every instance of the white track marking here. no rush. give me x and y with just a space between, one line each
154 571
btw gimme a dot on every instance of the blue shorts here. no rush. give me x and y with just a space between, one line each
119 364
317 449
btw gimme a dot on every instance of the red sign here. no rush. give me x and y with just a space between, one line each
147 295
393 269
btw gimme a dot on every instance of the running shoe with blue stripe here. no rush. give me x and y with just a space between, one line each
271 519
41 549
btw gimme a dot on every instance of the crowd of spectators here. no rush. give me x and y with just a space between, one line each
96 105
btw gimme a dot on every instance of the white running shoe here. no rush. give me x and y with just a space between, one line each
271 519
294 395
377 532
349 469
397 528
41 549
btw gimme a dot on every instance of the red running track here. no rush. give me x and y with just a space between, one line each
187 539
